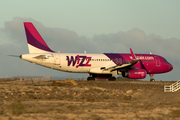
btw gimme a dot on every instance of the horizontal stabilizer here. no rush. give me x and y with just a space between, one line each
14 55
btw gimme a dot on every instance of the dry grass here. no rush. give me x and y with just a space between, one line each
37 109
96 117
16 108
90 99
95 100
175 113
72 107
1 111
127 98
93 90
60 117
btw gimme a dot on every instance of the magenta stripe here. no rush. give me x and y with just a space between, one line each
37 41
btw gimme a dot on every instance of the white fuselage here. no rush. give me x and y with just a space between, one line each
72 62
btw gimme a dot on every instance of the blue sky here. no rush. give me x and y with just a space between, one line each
146 26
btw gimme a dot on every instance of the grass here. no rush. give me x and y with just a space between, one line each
60 117
31 96
1 111
72 107
90 99
16 108
61 85
96 117
175 113
91 90
39 85
127 97
38 110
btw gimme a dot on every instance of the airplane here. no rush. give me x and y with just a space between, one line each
103 66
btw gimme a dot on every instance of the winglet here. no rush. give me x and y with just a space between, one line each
133 55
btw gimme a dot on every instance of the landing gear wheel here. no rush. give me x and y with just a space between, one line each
152 80
90 79
111 78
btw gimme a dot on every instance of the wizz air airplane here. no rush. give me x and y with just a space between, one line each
103 66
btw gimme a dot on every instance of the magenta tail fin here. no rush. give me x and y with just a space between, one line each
36 44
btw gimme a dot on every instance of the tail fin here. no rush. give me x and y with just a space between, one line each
36 44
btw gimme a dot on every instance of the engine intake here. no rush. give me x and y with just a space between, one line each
134 73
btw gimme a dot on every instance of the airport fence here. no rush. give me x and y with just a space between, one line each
33 80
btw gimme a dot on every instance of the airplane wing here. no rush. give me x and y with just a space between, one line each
14 55
124 65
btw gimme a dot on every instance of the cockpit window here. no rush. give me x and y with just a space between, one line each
165 60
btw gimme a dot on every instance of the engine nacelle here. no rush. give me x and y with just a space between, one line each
135 73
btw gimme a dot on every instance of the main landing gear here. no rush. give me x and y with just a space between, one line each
90 78
152 79
111 78
101 76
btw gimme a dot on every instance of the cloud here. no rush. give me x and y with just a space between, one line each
13 41
140 43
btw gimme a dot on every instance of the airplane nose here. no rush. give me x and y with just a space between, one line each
170 67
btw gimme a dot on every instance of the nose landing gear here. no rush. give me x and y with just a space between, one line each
152 79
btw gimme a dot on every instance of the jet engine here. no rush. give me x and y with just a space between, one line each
134 73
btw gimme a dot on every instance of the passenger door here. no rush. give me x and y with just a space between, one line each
158 62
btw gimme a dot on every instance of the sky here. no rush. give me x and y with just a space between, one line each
97 26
